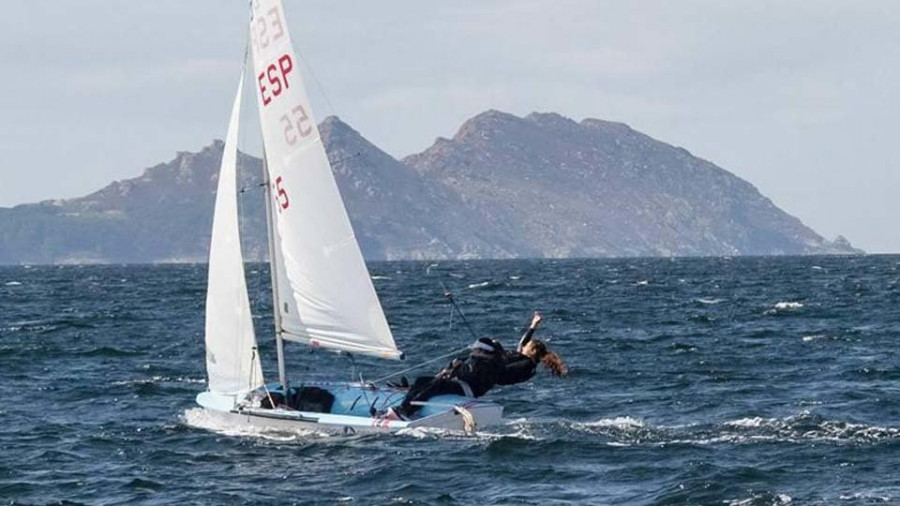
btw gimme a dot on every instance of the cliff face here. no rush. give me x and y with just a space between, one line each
539 186
597 188
397 213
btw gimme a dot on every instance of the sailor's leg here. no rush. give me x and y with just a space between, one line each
435 387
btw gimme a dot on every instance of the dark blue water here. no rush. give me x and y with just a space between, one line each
695 381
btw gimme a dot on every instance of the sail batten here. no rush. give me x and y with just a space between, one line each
231 359
326 297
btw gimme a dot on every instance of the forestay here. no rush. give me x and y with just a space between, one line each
231 359
325 294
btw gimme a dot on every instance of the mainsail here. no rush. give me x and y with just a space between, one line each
231 359
324 292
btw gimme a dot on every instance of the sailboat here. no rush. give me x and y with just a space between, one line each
322 291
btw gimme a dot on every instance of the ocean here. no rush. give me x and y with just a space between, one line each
741 381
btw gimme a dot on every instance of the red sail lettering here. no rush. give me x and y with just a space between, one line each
285 65
274 80
281 197
277 77
262 90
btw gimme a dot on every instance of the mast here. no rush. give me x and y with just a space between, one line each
276 302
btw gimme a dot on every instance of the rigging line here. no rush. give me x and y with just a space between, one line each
355 371
397 373
306 63
454 305
449 295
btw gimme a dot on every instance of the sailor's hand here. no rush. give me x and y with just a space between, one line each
536 320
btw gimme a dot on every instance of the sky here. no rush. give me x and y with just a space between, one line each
797 97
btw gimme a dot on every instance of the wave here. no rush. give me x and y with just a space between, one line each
619 422
159 379
705 300
784 307
801 428
761 498
109 351
818 337
866 497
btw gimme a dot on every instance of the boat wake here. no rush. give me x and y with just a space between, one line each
512 429
620 431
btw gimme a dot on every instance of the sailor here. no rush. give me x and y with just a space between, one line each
470 378
487 365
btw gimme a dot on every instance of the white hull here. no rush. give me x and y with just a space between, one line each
221 408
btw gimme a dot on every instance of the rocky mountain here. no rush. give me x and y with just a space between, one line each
597 188
504 186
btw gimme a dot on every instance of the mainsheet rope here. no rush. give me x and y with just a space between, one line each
442 357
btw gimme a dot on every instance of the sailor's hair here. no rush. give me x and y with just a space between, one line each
548 359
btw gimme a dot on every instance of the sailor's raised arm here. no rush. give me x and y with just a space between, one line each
526 337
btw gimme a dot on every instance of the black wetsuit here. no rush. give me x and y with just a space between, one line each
517 368
479 372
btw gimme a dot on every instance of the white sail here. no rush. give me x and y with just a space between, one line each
231 359
325 294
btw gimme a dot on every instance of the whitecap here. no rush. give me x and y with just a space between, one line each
749 422
706 300
619 422
866 497
514 278
816 337
781 306
160 379
479 285
376 278
807 427
13 283
642 283
756 498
